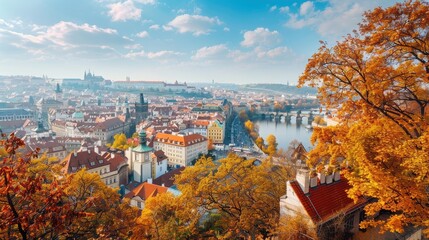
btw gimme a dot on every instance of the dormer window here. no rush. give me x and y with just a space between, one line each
92 163
100 161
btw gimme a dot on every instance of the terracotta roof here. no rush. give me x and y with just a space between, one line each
160 155
90 160
201 123
323 202
146 190
168 178
110 123
179 140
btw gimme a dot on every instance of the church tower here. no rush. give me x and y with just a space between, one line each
139 160
141 109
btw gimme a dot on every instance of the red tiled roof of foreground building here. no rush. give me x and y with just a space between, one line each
146 190
325 201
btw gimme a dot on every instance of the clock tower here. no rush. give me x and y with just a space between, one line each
139 160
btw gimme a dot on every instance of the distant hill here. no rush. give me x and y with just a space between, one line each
279 88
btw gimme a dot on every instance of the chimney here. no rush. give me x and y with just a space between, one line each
337 176
75 153
163 185
149 180
96 149
322 177
112 155
89 151
303 179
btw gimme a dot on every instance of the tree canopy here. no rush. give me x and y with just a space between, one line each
378 80
237 199
38 201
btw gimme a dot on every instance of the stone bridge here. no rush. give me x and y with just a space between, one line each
287 116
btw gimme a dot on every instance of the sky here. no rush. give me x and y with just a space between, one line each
228 41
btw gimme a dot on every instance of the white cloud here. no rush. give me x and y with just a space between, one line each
123 11
284 9
209 52
306 8
64 39
259 37
66 33
154 27
226 29
150 2
133 46
133 55
338 18
239 56
6 23
162 54
128 38
273 8
272 53
196 24
142 34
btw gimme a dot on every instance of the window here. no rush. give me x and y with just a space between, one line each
348 223
139 204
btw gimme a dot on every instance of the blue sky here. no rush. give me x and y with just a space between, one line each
240 41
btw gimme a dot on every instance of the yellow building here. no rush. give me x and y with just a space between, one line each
216 132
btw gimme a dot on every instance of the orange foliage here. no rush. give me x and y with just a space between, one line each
377 78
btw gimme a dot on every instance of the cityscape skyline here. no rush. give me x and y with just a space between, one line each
193 41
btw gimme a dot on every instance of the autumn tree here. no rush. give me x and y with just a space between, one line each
38 201
30 201
105 215
378 79
166 217
271 148
252 129
295 227
260 142
244 195
120 142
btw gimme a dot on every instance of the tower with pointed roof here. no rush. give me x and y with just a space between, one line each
139 160
141 109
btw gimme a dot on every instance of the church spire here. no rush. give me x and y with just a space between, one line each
141 98
142 136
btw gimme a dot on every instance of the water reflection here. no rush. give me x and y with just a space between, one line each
286 132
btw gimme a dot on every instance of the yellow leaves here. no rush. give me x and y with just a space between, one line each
377 79
120 142
244 195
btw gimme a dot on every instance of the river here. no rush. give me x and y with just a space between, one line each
285 133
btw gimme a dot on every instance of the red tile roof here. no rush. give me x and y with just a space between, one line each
325 201
90 160
146 190
159 155
180 140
